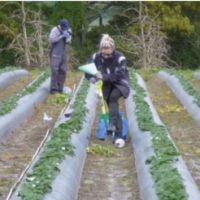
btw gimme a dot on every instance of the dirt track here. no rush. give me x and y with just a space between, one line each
110 177
182 128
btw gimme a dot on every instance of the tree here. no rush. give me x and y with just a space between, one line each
8 28
25 33
177 24
26 49
144 42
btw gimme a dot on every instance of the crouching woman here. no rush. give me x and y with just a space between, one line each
112 70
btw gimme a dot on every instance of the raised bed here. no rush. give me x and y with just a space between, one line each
8 77
162 174
18 107
185 92
197 74
56 170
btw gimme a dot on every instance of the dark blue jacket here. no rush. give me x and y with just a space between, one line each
114 71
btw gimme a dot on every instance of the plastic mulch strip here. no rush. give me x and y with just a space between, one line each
187 85
7 69
168 182
38 182
10 102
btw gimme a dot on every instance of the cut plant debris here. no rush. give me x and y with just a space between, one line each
102 150
59 98
168 182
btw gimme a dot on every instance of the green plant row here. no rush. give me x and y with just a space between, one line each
168 182
38 182
187 85
6 69
9 103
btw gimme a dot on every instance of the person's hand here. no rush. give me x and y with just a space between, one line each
99 75
93 80
69 30
65 34
69 39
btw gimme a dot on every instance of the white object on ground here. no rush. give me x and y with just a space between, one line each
46 117
67 90
120 143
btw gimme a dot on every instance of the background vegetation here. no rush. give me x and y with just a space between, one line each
150 34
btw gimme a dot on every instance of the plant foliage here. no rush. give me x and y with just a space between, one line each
9 103
39 180
168 182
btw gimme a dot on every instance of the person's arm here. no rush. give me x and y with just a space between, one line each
119 73
55 35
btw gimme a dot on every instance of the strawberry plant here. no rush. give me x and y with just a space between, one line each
188 87
39 180
168 182
10 102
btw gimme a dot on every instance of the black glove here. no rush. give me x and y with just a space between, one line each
113 78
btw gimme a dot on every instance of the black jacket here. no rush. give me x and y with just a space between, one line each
114 71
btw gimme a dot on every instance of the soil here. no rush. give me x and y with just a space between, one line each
16 152
182 128
15 87
110 177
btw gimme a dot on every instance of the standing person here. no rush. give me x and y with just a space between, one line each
112 68
58 38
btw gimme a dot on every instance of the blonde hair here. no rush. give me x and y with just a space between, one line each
107 42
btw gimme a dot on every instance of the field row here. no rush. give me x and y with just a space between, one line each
63 166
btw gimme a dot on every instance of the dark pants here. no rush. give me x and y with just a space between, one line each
58 74
113 106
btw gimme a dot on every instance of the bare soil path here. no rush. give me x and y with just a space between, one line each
181 126
109 177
